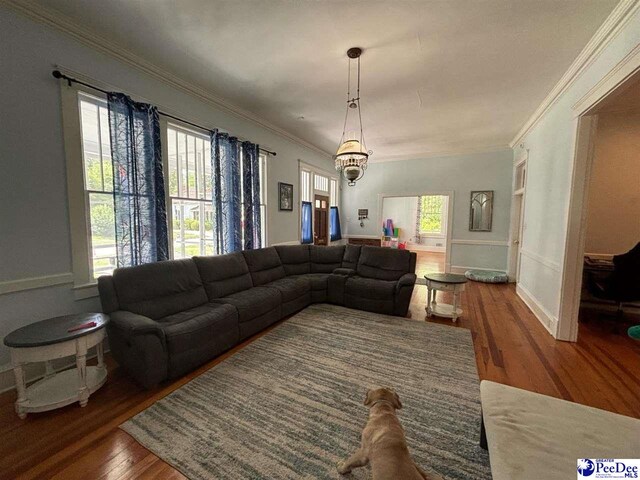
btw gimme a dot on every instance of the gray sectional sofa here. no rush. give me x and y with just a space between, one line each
169 317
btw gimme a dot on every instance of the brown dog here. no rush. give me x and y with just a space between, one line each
383 444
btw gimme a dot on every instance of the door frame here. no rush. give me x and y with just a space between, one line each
445 193
516 222
313 225
586 114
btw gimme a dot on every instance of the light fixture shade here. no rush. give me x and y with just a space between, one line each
351 147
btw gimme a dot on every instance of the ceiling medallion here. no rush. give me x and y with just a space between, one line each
352 155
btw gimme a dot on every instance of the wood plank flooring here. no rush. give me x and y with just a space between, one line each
512 347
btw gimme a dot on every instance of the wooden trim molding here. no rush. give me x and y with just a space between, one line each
50 17
616 20
496 243
546 319
555 266
12 286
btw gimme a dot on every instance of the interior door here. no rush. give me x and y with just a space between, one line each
321 220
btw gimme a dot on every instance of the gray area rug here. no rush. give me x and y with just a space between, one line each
289 405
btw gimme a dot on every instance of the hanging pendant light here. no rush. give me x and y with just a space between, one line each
352 155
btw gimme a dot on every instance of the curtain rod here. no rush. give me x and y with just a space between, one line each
59 75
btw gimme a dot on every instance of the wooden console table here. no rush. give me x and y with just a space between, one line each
51 339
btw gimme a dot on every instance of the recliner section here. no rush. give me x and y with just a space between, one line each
169 317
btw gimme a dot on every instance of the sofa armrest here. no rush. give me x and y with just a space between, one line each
406 280
134 324
344 271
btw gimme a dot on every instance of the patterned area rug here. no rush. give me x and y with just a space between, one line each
289 405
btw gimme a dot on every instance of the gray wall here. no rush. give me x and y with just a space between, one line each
460 174
34 227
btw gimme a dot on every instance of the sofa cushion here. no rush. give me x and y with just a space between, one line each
291 288
294 258
318 280
370 288
197 335
158 289
325 259
383 263
223 275
264 265
351 256
253 302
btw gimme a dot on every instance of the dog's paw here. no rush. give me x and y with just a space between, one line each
342 468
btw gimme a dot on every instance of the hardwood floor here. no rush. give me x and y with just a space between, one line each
429 262
512 347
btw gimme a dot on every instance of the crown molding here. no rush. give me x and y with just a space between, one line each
62 23
616 20
442 153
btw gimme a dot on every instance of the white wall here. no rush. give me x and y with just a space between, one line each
403 211
458 173
613 215
551 145
34 226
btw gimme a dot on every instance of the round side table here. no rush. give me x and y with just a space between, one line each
51 339
444 282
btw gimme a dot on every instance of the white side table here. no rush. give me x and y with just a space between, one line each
444 282
51 339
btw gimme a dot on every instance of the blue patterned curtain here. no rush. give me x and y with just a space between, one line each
138 182
227 221
251 195
307 223
334 224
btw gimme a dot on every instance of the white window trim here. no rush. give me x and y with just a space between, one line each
85 286
313 170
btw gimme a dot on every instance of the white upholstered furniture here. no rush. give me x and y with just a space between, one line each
530 435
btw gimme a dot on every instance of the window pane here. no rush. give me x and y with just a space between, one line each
172 156
103 235
207 169
182 165
192 187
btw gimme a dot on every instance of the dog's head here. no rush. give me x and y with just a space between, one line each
386 394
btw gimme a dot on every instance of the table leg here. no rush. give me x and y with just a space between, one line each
48 369
81 365
100 355
21 388
456 295
428 307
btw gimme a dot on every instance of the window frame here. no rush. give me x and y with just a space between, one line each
443 217
84 285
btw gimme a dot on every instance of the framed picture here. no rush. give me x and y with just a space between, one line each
285 196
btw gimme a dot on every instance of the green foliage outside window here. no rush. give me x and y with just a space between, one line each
431 213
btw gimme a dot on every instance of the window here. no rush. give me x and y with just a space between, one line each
98 185
432 214
305 186
333 193
321 183
262 160
189 192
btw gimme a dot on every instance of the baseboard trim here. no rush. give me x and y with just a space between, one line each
462 269
291 242
548 321
496 243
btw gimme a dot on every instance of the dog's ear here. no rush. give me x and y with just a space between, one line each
396 401
367 399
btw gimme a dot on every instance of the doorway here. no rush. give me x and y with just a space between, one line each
422 224
321 220
517 215
621 90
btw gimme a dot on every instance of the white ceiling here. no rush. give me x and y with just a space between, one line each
437 76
